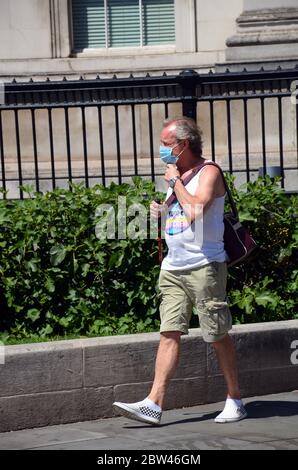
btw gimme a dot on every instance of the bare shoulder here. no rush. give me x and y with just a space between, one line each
211 172
211 176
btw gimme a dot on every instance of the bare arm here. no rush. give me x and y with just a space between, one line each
211 186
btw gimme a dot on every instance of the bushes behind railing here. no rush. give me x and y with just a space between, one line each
266 288
60 276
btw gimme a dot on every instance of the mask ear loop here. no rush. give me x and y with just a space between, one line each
177 156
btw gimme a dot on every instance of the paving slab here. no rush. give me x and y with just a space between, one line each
272 424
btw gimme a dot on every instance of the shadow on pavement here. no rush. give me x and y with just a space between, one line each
205 417
268 409
255 410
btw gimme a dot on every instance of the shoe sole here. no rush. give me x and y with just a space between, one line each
132 414
231 420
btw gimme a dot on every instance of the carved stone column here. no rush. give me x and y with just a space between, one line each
267 30
60 29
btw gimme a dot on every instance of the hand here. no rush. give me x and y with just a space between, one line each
157 209
171 172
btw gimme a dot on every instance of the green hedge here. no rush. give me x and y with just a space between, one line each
266 289
58 278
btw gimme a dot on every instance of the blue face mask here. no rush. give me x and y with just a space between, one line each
166 155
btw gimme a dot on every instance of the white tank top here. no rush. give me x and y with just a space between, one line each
196 244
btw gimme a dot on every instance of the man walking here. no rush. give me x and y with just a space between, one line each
194 272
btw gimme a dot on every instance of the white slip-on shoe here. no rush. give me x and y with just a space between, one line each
231 415
138 411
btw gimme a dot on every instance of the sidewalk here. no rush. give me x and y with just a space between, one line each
272 423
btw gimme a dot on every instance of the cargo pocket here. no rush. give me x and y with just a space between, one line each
215 317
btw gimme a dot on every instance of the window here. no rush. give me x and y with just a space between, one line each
122 23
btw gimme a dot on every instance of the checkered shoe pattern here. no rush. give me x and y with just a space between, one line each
149 412
138 411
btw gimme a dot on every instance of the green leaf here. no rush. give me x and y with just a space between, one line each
266 298
85 269
57 255
50 284
32 265
46 331
65 321
33 314
247 216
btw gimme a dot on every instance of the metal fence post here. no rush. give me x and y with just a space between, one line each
189 80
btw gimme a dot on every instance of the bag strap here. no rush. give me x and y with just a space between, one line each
194 172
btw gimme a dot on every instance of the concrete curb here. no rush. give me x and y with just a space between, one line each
67 381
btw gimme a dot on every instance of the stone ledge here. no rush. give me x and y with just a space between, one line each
90 67
77 380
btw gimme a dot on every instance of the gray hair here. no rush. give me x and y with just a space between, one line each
187 129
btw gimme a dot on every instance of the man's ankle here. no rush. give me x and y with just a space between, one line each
157 400
234 396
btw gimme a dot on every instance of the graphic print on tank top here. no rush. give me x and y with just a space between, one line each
177 221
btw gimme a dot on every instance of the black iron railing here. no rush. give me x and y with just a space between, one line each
188 90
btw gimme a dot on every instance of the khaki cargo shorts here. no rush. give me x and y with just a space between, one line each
202 289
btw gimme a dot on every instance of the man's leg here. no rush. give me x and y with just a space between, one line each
226 356
165 365
175 313
209 289
149 410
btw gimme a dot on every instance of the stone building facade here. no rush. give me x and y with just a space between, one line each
37 41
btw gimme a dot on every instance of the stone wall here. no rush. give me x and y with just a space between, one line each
76 380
